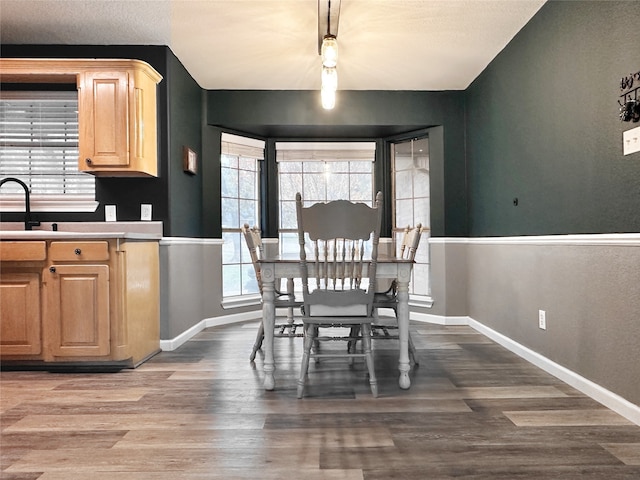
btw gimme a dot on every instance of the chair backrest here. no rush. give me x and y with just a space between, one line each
341 238
253 238
410 241
406 251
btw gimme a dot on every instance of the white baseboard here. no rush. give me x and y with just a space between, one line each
439 319
600 394
170 345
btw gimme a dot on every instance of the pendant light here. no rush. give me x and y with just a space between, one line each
329 54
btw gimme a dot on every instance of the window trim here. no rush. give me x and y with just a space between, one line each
415 299
237 301
250 148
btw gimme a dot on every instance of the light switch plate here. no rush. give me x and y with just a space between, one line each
145 212
631 141
110 213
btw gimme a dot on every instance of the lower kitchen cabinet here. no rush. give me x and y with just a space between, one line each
85 303
78 310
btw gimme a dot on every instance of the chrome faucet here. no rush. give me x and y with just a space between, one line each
28 223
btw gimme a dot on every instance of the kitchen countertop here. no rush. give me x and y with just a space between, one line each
82 230
50 235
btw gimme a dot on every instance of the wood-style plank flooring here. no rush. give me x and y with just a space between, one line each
474 411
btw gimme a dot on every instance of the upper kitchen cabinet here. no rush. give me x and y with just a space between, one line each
117 113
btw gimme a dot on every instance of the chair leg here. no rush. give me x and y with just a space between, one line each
309 337
315 347
354 333
258 342
289 326
412 351
366 343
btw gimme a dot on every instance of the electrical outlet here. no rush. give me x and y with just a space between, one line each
542 319
110 213
145 212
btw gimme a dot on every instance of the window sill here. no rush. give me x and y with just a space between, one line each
53 204
241 301
420 301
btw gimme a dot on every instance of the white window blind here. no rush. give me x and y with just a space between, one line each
39 145
325 151
242 146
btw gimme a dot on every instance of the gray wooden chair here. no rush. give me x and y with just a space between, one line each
253 239
389 297
338 260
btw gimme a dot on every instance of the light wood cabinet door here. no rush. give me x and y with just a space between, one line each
103 119
20 332
118 122
78 310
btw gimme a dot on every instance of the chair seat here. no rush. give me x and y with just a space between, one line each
385 300
283 302
338 321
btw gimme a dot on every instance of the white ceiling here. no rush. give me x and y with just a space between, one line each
273 44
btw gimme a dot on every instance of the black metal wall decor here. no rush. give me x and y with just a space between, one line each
628 99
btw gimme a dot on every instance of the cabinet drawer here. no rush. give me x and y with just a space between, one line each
22 251
78 251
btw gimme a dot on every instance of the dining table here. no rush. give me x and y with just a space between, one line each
274 268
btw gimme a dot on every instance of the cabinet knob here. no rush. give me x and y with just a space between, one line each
77 251
52 269
88 161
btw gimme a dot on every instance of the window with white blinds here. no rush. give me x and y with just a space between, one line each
39 145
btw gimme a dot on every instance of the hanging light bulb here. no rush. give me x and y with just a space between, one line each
328 97
329 87
329 54
329 78
329 51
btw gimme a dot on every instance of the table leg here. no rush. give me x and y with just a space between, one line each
403 333
268 321
290 293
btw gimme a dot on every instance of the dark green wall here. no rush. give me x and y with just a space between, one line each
543 126
185 114
373 115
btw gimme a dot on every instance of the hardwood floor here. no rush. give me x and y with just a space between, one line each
474 411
